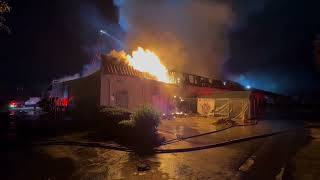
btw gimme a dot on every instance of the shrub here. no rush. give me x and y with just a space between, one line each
113 114
135 129
127 124
146 119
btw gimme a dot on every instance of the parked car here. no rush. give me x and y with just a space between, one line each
32 101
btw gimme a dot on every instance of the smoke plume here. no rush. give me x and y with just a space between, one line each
188 36
68 78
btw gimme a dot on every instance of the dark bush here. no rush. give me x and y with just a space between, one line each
140 130
127 124
146 119
143 120
137 129
113 115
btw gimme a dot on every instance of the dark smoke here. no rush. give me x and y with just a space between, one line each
188 35
271 43
100 35
88 22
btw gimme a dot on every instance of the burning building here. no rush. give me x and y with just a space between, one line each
129 81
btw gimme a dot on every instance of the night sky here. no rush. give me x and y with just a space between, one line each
271 46
48 41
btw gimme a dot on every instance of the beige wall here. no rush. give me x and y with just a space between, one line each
144 91
139 91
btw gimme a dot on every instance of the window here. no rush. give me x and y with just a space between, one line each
191 79
122 99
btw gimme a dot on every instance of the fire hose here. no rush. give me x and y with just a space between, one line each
212 132
177 150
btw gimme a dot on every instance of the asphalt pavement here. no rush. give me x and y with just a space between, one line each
280 156
263 158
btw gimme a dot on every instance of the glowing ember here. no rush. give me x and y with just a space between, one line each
147 61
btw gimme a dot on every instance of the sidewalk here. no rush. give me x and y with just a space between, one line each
263 127
187 126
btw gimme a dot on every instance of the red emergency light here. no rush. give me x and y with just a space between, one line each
64 102
13 104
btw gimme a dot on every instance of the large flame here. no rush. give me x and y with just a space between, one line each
147 61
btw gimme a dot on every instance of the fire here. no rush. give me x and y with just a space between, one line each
145 61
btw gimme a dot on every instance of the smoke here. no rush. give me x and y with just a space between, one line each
188 36
273 79
87 70
245 10
99 34
91 68
265 52
68 78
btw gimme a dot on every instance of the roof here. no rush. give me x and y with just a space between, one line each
124 70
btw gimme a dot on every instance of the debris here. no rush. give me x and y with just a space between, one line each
246 166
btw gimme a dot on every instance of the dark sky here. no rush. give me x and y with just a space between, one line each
271 46
48 40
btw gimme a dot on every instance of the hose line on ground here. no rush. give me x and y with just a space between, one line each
177 150
203 134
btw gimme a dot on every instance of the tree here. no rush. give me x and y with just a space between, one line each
4 8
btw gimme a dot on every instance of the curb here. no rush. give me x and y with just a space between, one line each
84 144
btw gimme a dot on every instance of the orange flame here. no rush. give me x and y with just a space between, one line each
147 61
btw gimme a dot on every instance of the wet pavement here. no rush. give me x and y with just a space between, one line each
268 155
63 162
187 126
71 162
280 155
183 128
305 164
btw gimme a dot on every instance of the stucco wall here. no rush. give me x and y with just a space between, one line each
139 91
